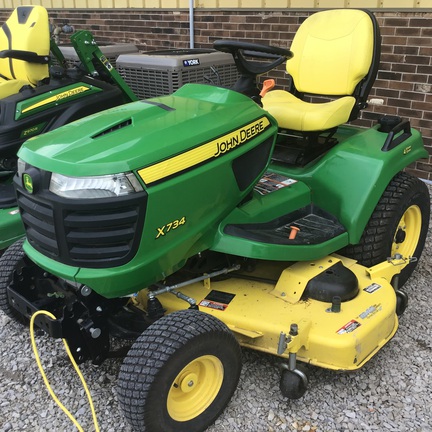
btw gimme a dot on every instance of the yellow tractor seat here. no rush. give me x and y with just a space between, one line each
24 49
336 54
10 87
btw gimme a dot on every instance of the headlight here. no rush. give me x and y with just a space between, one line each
94 187
21 167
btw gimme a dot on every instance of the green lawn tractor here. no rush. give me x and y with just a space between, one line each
213 219
36 97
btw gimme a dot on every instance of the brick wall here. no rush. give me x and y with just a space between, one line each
404 80
223 4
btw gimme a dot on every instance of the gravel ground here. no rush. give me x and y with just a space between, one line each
391 393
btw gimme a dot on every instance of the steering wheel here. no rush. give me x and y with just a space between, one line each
242 50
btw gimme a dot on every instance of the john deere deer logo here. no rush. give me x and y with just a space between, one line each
28 183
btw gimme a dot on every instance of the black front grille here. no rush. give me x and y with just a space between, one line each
97 233
38 219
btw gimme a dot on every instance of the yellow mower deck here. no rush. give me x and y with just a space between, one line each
258 313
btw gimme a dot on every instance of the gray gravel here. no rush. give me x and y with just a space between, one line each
393 392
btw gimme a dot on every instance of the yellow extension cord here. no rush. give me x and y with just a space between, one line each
47 384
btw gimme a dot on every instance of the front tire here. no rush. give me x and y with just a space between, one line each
399 224
180 373
10 261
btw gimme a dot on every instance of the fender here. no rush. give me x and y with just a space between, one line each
350 179
11 227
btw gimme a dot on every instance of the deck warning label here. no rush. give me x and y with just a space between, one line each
372 288
218 300
271 182
349 327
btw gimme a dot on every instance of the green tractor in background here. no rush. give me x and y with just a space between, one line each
38 95
200 222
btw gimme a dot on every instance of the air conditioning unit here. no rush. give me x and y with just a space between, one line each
162 72
112 52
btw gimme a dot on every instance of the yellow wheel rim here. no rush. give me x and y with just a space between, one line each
407 232
195 388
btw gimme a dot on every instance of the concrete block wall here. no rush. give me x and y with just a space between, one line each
404 80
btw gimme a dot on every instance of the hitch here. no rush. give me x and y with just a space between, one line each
81 314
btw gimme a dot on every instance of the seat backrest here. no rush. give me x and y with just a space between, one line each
336 53
27 29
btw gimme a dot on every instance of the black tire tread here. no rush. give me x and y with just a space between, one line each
163 338
8 262
374 244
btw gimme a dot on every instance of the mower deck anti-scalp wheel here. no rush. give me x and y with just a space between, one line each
9 262
180 373
293 383
398 225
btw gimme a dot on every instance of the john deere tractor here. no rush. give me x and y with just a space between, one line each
214 219
38 94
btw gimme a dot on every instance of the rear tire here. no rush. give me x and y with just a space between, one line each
10 261
180 373
399 224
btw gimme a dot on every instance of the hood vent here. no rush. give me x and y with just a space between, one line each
113 128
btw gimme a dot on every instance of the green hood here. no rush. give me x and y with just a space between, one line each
141 133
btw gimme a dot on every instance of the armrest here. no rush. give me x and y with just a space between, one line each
27 56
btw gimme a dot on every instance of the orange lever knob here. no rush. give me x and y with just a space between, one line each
267 85
293 233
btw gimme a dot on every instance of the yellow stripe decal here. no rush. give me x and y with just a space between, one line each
57 97
212 149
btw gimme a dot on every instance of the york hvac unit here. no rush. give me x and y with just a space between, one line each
162 72
111 52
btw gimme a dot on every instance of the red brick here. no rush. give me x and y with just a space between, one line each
400 103
424 69
400 40
419 123
420 22
396 22
425 51
427 115
394 76
419 41
387 31
415 78
417 173
426 133
414 96
392 58
405 112
238 18
384 110
381 83
419 60
406 50
385 66
407 31
403 67
390 93
387 49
